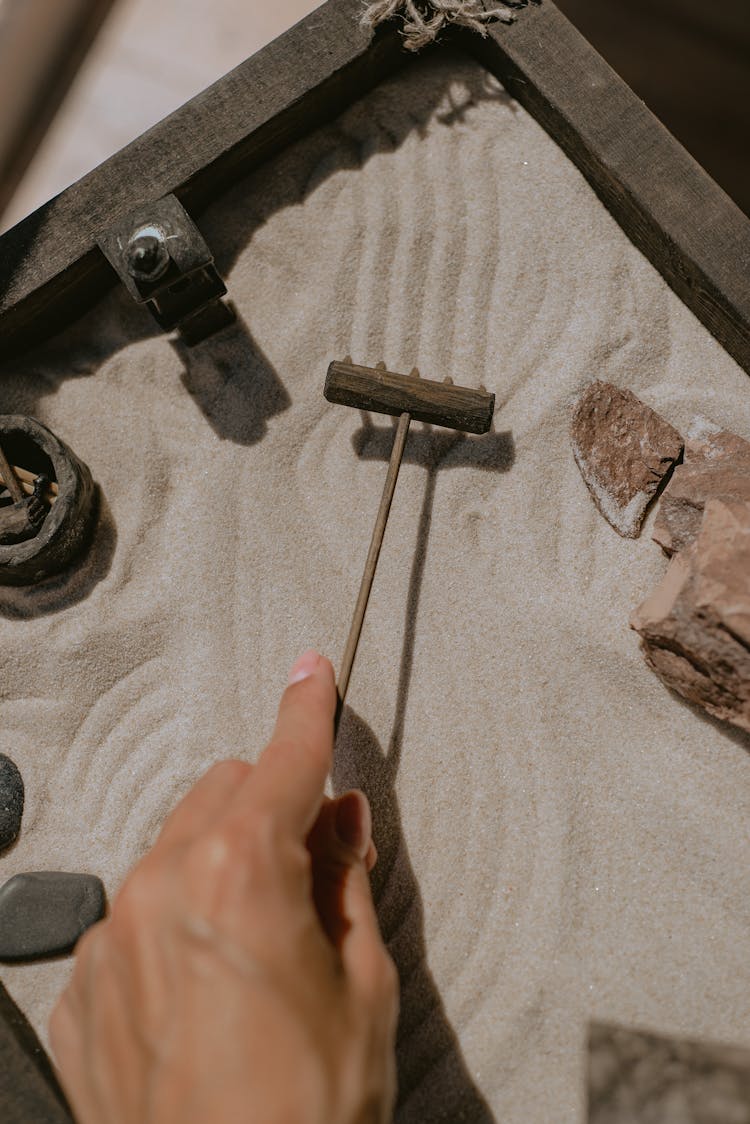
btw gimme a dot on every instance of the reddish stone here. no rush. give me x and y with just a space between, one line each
623 449
695 627
717 466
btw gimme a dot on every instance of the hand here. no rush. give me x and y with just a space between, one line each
241 977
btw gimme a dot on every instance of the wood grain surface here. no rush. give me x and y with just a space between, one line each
385 392
50 269
689 228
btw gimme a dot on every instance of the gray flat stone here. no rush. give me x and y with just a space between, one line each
11 801
45 912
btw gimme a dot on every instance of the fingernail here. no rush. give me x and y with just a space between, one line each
354 822
304 666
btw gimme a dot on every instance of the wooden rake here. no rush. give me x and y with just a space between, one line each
409 398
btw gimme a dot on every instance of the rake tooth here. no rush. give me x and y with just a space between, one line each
349 360
380 366
448 380
414 373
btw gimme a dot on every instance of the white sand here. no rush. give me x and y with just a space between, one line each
569 840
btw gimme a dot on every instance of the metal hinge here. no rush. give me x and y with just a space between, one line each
163 261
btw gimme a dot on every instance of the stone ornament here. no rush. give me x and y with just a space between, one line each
624 450
43 913
11 801
716 466
61 507
695 626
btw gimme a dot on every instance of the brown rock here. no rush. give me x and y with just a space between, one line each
717 466
623 449
695 627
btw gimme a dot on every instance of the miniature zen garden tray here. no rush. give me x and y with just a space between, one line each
562 841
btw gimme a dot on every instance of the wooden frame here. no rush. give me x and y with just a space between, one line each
52 270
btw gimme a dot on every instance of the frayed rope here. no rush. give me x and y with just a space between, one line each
425 19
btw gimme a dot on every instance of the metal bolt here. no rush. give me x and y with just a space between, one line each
146 254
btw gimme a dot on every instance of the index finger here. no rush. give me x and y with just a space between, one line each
290 776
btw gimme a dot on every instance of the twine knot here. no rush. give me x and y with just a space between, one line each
424 19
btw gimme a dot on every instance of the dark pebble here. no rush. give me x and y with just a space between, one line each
11 801
44 913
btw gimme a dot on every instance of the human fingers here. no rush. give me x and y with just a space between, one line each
341 842
90 1030
341 821
341 835
366 960
67 1050
288 781
201 807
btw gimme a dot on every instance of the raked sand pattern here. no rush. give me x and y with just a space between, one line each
560 837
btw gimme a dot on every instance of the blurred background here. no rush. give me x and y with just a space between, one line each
690 62
118 67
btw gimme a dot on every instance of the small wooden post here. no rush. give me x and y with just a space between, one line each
10 479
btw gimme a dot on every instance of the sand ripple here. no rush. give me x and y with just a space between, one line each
560 838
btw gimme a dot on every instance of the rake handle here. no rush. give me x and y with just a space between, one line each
371 563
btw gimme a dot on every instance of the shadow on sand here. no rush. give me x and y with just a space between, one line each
434 1082
229 375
